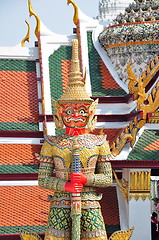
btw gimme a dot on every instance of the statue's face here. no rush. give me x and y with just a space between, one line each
75 115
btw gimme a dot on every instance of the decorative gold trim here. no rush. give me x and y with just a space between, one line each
146 77
76 15
32 13
122 234
152 100
120 142
134 127
132 78
141 94
27 37
57 118
92 120
24 235
154 117
123 187
139 185
127 135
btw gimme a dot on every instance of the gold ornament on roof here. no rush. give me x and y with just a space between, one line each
32 13
145 78
75 18
76 91
139 185
154 117
123 186
27 38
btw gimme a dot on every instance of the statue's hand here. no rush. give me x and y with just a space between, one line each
78 178
73 187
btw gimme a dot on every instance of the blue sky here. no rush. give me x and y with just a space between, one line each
55 14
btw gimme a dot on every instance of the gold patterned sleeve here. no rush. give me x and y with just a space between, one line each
103 176
46 168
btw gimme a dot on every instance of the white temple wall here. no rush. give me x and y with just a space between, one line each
139 217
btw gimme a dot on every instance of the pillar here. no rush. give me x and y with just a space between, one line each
134 202
140 204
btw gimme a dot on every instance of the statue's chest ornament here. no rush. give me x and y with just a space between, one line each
65 141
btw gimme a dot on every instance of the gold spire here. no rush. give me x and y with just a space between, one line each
75 92
75 18
31 11
27 38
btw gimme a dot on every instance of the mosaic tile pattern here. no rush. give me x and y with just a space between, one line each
59 64
18 111
15 213
147 146
18 158
102 85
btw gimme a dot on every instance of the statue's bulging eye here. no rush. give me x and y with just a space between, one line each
69 111
82 112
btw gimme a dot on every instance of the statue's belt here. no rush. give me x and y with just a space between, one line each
65 203
89 199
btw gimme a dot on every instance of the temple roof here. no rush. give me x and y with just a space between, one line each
146 147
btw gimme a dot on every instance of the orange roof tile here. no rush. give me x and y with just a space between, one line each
153 146
22 106
108 81
20 206
18 153
65 69
29 205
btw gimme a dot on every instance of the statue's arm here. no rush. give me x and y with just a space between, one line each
103 176
45 172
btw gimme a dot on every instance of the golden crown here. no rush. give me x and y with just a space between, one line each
75 91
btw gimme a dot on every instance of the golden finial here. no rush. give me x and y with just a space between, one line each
31 11
75 18
27 38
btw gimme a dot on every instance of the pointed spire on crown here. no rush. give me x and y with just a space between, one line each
75 92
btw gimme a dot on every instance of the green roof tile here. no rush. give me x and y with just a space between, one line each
141 152
62 53
15 229
41 229
12 169
6 126
17 65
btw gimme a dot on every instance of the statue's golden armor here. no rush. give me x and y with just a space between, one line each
56 157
